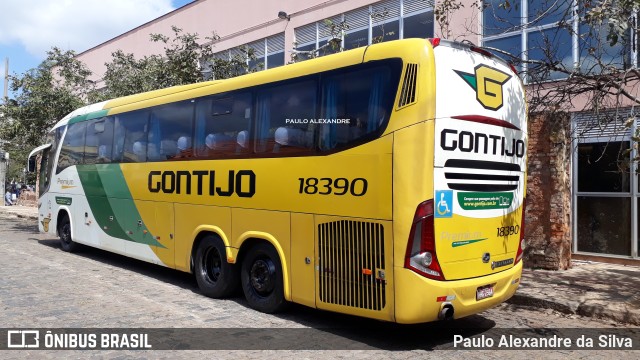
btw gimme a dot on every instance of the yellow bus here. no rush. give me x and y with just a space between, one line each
386 182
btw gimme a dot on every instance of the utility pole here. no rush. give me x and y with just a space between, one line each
4 156
6 80
4 166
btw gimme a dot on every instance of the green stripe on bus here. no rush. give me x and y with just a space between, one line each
98 201
97 114
77 119
120 198
102 203
466 242
89 116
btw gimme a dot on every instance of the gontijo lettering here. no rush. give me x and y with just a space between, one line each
242 183
467 141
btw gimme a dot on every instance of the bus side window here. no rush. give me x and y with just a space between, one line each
99 142
91 144
170 132
356 104
222 124
285 116
72 146
130 137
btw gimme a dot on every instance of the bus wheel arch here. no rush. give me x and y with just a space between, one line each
64 230
200 233
262 275
216 277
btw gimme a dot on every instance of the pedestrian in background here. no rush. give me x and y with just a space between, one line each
7 198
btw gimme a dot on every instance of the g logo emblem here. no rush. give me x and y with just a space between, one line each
487 83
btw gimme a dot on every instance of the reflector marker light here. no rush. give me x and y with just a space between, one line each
445 298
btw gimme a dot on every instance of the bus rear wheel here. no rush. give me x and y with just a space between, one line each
64 232
262 281
215 276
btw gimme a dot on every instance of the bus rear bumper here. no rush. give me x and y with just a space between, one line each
420 300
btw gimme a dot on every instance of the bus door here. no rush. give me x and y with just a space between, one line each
44 178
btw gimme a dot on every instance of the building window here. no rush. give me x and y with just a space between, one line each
604 225
551 45
275 51
268 52
382 21
418 25
605 192
593 48
551 32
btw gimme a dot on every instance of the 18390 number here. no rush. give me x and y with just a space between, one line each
508 230
328 186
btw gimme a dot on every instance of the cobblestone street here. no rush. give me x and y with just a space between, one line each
43 287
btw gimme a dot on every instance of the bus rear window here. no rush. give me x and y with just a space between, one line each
355 104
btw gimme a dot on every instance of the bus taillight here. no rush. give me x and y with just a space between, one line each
521 244
421 248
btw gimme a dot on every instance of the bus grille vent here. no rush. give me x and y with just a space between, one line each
408 94
351 264
481 176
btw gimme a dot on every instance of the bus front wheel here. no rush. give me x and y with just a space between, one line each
215 276
262 281
64 232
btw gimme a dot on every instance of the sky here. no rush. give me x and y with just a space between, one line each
28 28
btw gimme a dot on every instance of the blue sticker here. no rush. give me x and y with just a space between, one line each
444 203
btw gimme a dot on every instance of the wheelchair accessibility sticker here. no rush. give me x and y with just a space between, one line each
444 203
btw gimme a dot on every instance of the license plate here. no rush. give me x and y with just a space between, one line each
484 292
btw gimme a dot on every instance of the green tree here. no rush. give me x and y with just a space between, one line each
184 61
42 96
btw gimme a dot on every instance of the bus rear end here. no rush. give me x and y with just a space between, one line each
464 249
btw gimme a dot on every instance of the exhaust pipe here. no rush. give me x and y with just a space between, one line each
446 312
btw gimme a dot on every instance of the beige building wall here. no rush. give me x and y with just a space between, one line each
237 22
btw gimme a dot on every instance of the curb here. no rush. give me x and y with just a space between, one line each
588 310
30 217
527 300
20 215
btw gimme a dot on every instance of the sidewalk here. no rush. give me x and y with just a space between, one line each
28 212
591 289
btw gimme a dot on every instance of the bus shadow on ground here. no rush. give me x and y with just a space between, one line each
23 227
325 330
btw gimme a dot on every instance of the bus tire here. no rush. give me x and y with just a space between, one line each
262 281
64 232
215 276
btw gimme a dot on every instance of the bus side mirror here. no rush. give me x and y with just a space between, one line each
31 166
